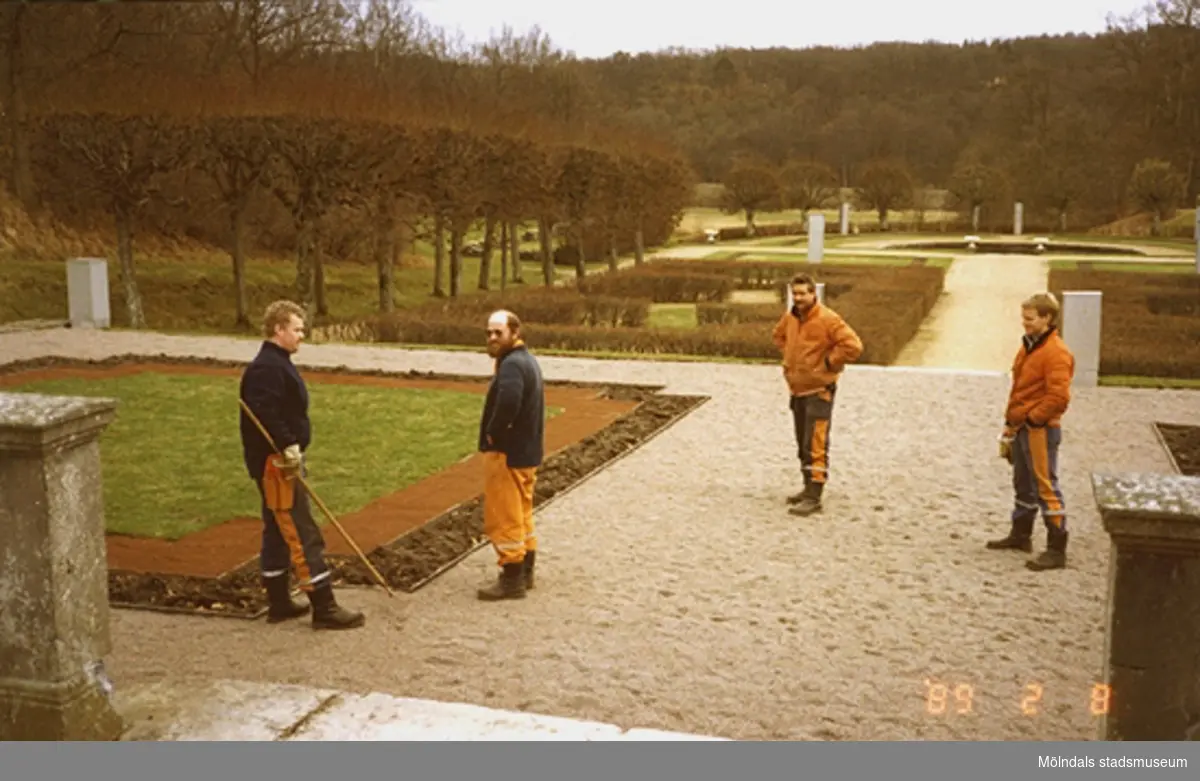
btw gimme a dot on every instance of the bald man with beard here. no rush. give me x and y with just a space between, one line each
511 438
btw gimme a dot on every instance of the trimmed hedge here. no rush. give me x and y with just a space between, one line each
763 231
562 306
661 285
884 304
731 314
1150 322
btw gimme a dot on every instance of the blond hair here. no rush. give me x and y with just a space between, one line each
279 313
1044 304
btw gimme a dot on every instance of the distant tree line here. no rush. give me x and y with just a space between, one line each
1081 129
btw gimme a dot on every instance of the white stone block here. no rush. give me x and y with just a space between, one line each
382 717
87 293
646 735
1081 319
217 710
816 238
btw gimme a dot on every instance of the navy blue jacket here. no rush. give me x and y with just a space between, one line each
514 415
276 393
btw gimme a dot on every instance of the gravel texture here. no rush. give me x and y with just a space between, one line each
675 592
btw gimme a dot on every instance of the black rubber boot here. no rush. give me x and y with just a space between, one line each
279 598
1055 555
328 614
1020 538
530 560
510 584
810 500
797 498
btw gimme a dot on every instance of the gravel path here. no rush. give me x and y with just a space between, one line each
972 324
677 593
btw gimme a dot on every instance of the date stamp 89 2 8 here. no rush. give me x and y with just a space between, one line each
959 699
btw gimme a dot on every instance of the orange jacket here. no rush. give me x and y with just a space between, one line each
815 349
1041 383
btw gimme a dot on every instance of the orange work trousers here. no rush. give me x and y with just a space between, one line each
508 508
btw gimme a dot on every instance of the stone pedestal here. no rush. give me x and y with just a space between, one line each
1197 232
87 293
53 570
1018 218
1081 329
1152 659
844 218
816 238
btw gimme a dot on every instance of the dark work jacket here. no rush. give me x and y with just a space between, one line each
276 393
514 415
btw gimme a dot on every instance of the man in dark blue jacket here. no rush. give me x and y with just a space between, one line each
275 392
511 438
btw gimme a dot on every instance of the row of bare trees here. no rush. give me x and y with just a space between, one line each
753 185
387 176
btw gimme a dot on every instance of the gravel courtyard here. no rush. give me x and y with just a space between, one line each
676 592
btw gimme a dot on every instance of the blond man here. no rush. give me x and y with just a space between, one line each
291 540
1042 372
511 438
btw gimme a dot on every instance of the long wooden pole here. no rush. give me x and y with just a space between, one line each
317 500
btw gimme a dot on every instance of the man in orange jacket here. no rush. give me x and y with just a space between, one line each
816 344
1041 391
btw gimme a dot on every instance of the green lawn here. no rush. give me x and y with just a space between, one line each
172 458
672 316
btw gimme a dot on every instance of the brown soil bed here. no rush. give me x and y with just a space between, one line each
411 536
1183 443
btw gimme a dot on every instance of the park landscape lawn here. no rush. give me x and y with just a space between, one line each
173 461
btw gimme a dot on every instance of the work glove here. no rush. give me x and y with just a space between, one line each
289 464
1006 448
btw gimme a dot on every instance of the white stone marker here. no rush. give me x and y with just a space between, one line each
816 237
87 293
1081 313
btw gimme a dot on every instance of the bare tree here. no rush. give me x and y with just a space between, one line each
807 185
1157 188
883 186
117 162
236 153
312 167
750 187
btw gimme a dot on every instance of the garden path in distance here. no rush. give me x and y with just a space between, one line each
976 324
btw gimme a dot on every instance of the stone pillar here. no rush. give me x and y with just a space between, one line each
845 218
816 237
1018 218
87 293
1081 317
1197 232
53 570
821 292
1152 668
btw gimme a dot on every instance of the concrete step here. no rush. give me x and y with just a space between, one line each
234 710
